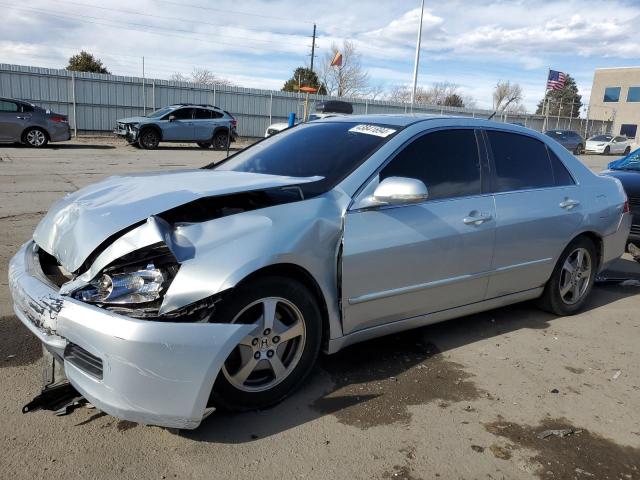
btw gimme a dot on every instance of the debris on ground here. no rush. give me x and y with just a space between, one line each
555 390
564 432
616 375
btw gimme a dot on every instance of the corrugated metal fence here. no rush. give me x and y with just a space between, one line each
94 101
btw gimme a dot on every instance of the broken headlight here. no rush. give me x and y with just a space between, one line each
141 285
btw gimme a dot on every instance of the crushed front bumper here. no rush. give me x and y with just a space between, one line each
157 373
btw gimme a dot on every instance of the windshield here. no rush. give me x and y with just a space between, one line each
160 112
601 138
630 162
555 133
330 150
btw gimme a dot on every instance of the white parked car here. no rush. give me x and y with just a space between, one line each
608 144
278 127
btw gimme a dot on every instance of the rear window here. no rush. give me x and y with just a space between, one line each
561 175
521 162
329 150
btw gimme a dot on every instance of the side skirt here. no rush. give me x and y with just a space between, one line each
420 321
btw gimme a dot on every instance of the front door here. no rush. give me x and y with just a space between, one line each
12 121
403 261
180 128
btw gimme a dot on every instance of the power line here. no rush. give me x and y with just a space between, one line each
234 12
119 24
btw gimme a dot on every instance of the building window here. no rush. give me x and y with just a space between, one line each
628 130
611 94
633 95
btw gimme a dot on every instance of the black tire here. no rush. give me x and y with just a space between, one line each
228 397
579 149
552 300
606 151
35 137
149 139
627 150
204 144
220 140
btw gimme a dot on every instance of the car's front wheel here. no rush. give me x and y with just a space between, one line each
579 149
572 279
606 151
35 137
149 139
627 150
274 359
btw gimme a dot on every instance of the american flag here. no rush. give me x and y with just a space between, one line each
556 80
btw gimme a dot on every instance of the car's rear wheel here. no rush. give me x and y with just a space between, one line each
149 139
220 141
579 149
35 137
627 150
572 279
204 144
606 151
274 359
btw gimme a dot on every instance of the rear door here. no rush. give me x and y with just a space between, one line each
203 124
403 261
539 209
12 121
181 128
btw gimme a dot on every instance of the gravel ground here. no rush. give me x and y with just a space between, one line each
463 399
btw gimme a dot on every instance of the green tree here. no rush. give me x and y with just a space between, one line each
566 101
303 77
85 62
453 100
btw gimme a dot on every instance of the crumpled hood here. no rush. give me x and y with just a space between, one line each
132 119
76 225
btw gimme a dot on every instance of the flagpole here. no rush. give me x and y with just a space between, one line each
544 100
417 59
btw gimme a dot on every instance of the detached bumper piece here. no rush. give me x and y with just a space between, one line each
61 399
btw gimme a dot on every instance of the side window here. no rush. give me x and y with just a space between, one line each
521 162
181 114
202 114
216 114
27 108
8 106
561 175
446 161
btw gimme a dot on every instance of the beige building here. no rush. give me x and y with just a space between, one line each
615 96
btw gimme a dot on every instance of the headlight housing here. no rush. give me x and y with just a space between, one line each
142 285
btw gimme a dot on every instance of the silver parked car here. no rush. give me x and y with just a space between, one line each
24 122
166 295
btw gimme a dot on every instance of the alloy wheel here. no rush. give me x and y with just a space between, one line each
35 138
266 357
575 276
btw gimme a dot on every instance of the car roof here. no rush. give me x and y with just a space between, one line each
201 105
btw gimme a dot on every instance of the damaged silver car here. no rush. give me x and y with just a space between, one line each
166 295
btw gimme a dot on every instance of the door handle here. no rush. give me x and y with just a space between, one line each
476 219
22 117
568 203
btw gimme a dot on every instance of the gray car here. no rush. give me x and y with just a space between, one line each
205 125
569 139
167 295
26 123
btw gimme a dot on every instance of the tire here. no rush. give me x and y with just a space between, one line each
579 149
553 299
627 150
248 379
204 144
220 140
606 151
149 139
35 137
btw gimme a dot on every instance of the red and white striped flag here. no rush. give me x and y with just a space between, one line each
556 80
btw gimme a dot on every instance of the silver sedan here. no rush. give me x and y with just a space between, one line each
166 295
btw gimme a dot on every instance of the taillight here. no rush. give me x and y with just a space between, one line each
626 208
58 119
234 123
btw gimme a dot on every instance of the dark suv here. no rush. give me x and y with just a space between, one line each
205 125
569 139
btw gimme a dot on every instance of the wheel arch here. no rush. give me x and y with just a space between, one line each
596 238
152 126
291 270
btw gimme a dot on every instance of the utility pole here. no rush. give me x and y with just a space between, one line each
313 46
144 92
417 59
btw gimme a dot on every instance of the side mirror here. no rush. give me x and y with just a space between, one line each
398 191
172 118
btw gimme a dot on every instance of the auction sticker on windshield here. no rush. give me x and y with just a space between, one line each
373 130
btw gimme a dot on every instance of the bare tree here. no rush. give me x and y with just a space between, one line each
441 93
507 97
346 80
201 76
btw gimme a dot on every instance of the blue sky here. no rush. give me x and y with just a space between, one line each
258 43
